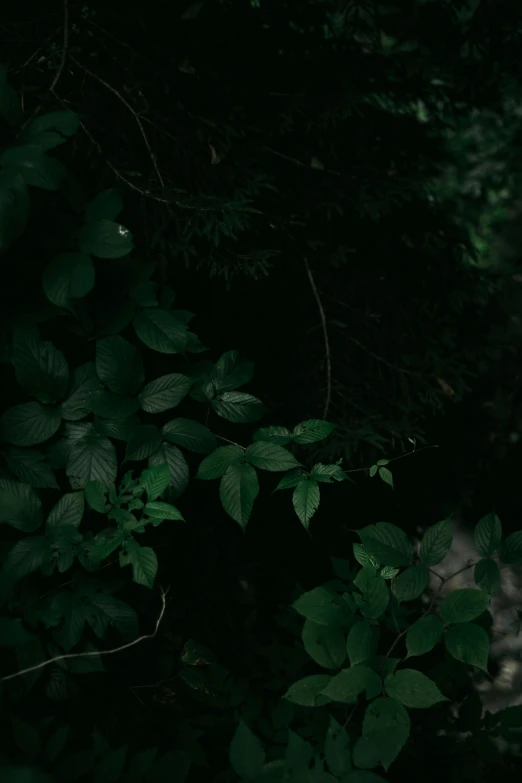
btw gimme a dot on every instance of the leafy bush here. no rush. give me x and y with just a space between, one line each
93 463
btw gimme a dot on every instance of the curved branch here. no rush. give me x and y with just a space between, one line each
92 653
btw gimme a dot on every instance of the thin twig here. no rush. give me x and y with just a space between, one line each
326 341
61 65
129 108
92 653
232 442
383 361
394 459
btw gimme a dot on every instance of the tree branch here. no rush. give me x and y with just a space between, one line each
68 656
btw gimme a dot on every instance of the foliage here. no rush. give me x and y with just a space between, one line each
96 357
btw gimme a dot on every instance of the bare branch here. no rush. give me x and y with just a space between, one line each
69 656
130 109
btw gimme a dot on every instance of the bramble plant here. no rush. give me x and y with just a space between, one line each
78 417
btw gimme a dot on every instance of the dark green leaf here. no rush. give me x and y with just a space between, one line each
423 635
325 644
119 365
349 683
106 205
216 464
270 456
177 466
464 605
69 276
51 129
487 575
37 169
160 330
487 535
387 544
238 490
312 431
105 239
20 506
238 407
29 424
164 393
30 467
247 755
362 642
143 442
92 457
436 543
413 689
40 367
468 643
308 692
305 499
411 583
190 434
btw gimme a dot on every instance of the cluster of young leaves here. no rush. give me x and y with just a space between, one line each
343 619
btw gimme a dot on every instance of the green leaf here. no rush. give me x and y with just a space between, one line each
386 476
155 480
464 605
91 457
30 467
143 561
487 535
387 544
96 496
68 511
13 633
67 277
306 499
511 549
105 239
29 424
436 543
468 643
110 768
362 642
323 606
190 434
84 384
297 757
120 429
37 169
308 692
411 583
423 635
164 393
216 464
158 510
290 480
106 205
56 743
143 442
238 407
119 365
160 330
50 130
328 473
20 506
238 490
311 431
40 367
413 689
487 576
388 572
247 755
117 614
109 405
362 556
276 434
270 456
349 683
375 594
231 371
385 730
177 466
326 645
27 556
337 749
